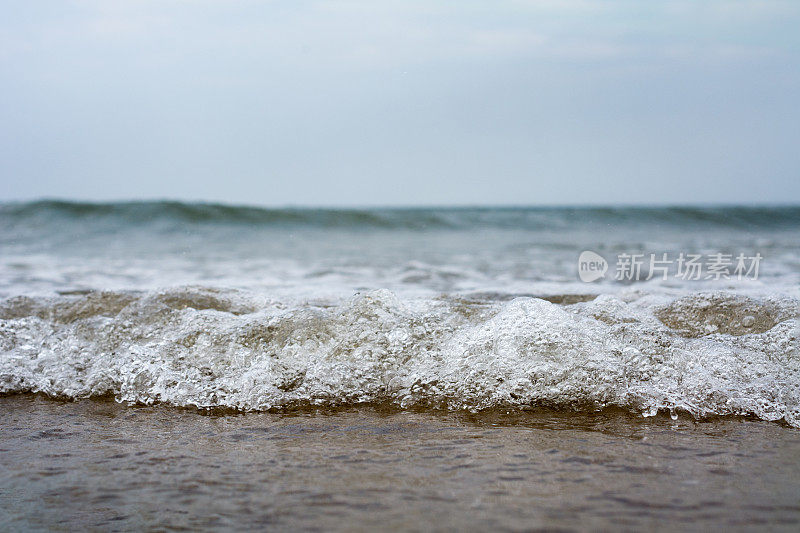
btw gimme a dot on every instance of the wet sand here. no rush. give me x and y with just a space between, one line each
100 465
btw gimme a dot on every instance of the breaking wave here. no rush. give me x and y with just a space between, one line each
704 354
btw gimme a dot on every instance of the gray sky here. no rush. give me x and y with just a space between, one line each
389 102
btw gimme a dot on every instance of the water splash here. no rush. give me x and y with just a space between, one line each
194 346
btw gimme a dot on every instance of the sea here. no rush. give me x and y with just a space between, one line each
178 365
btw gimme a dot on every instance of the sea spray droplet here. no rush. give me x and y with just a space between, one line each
650 411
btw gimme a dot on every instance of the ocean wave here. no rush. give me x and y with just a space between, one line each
55 212
705 354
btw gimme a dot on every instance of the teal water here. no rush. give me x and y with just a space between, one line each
248 308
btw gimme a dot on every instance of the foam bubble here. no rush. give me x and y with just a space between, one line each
213 348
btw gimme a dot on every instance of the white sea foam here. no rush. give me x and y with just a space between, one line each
706 354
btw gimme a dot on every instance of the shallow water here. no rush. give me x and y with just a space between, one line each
102 465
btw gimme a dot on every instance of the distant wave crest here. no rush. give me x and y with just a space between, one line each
59 212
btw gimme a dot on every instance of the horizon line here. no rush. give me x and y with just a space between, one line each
400 207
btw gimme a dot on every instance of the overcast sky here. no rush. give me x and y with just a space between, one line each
387 102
